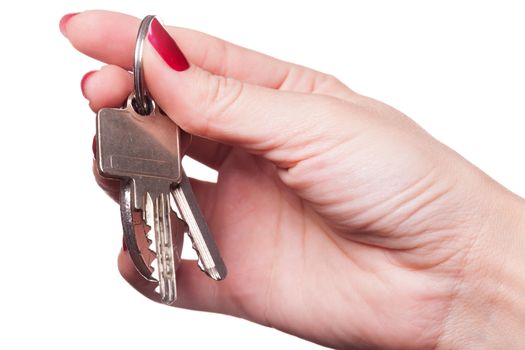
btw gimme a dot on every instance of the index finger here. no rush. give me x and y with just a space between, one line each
110 37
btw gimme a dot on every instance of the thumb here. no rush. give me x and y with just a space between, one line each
278 125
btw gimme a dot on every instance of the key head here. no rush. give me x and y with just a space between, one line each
145 149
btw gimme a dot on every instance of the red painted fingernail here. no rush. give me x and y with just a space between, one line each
124 246
167 47
84 81
94 146
64 20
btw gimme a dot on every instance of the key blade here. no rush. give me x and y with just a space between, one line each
130 234
203 242
157 216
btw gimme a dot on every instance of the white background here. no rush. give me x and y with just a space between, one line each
457 68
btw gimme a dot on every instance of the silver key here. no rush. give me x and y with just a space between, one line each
145 150
210 260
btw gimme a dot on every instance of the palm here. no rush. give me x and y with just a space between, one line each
271 241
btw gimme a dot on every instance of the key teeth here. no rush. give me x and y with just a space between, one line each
212 272
151 248
154 272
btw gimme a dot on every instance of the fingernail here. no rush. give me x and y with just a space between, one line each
64 20
166 47
124 246
84 81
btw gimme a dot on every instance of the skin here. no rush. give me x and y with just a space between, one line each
341 221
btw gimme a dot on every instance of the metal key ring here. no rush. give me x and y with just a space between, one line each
142 101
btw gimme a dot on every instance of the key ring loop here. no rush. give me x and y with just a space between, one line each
142 103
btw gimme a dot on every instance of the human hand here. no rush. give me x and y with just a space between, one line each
340 220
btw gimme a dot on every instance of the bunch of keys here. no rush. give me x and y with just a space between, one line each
140 146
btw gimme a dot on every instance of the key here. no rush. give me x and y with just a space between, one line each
145 151
136 234
210 260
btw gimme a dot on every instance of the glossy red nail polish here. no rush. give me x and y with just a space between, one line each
64 20
84 80
167 47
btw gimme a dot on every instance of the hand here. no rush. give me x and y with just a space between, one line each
340 220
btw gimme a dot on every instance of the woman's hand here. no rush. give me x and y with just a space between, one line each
340 220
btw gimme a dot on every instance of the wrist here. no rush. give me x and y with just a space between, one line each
488 310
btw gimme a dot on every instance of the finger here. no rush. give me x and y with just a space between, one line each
110 186
110 37
207 152
134 278
111 85
195 290
108 87
276 124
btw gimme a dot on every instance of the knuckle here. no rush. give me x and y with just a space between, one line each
222 94
324 82
330 80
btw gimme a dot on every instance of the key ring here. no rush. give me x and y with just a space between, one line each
142 102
